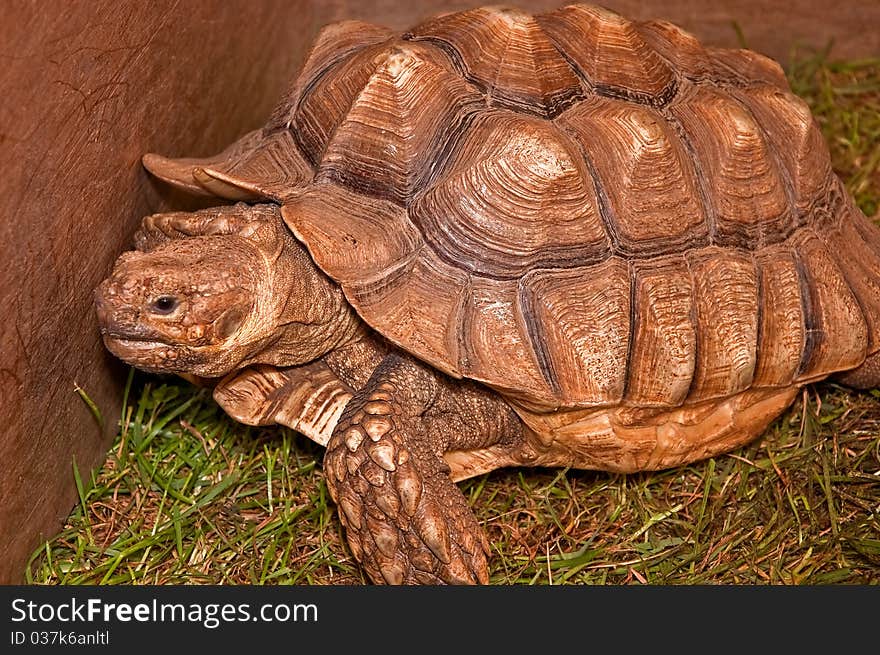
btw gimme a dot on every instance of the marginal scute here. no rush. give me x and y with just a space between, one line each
505 52
418 307
835 320
582 320
610 53
726 309
661 363
856 237
746 187
782 331
496 346
645 172
275 169
385 145
516 197
258 166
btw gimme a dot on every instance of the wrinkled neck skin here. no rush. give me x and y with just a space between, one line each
310 314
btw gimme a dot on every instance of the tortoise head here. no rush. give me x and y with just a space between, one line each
242 293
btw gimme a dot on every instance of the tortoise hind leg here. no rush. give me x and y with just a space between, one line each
405 519
864 376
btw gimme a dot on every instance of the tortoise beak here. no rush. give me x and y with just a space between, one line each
116 319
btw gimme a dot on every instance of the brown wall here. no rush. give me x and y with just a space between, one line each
87 88
90 86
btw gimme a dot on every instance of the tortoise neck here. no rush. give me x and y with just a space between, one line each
354 361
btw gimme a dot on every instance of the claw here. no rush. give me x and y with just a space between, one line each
433 532
410 489
352 511
383 454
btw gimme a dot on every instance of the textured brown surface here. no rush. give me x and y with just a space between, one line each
585 195
463 201
89 88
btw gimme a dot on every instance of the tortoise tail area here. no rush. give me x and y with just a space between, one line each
856 244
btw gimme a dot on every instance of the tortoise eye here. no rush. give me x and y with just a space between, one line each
164 304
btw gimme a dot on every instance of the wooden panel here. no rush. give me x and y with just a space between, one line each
88 89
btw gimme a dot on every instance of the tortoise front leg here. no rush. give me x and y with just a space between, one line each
405 519
241 218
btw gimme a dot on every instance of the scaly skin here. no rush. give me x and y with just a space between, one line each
405 519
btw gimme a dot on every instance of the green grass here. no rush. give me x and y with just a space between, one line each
188 496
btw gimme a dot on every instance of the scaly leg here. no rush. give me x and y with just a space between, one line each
405 519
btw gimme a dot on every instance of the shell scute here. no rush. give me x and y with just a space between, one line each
581 320
745 186
662 355
726 310
497 346
516 197
574 208
334 43
610 54
645 173
387 141
506 53
837 334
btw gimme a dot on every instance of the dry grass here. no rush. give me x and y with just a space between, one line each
187 496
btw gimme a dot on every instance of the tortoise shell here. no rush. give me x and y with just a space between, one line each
573 208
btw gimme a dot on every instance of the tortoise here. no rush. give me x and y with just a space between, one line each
499 239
